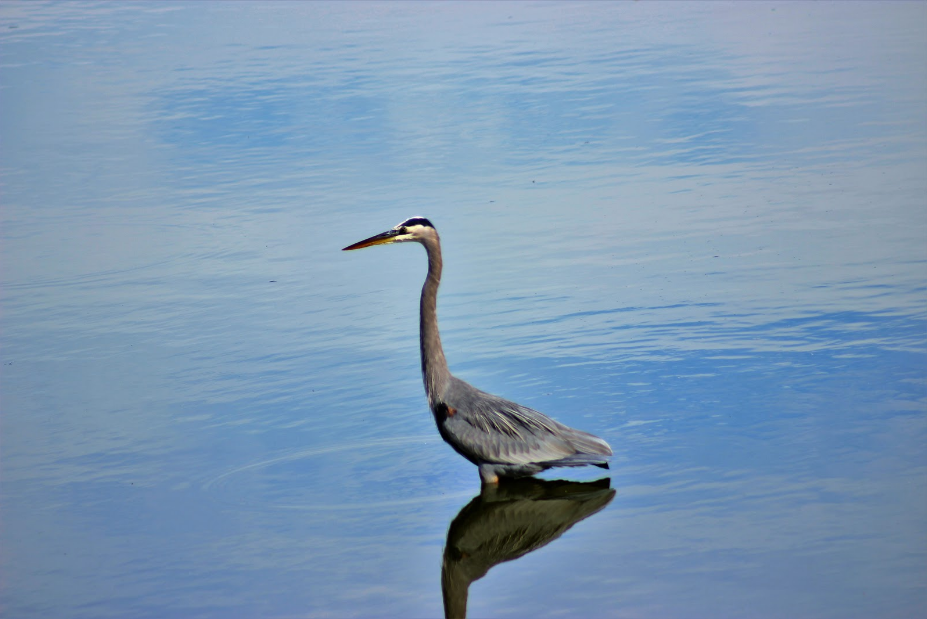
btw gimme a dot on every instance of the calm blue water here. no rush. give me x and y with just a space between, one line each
696 230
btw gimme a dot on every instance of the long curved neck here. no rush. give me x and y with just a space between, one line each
434 366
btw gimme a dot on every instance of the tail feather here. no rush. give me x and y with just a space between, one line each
587 444
579 460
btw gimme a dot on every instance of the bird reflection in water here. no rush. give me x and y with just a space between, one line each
508 521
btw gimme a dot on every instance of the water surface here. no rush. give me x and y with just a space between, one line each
696 230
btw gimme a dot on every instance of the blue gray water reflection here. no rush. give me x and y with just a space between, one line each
507 521
695 230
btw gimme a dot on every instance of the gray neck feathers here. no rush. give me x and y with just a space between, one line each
434 366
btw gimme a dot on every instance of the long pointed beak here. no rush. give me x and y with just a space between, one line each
379 239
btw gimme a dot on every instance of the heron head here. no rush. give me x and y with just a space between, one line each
413 229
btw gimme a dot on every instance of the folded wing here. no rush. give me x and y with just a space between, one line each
487 428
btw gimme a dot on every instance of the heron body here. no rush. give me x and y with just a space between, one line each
502 438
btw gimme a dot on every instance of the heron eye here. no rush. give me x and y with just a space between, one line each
403 230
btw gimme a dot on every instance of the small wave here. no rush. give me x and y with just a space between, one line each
233 487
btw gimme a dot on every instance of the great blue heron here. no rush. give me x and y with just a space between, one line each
502 438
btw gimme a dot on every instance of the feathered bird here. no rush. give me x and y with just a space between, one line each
502 438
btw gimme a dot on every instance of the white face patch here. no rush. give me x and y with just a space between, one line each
413 229
410 233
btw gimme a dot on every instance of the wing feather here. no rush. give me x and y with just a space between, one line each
487 428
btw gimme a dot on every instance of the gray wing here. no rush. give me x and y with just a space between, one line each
486 428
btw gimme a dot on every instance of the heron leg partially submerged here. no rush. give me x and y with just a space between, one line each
488 474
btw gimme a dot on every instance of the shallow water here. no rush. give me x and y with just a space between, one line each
695 230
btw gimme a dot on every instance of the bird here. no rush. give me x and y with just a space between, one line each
502 438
